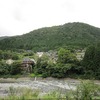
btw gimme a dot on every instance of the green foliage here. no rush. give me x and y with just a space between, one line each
91 61
15 57
65 56
67 35
4 68
22 94
85 90
16 68
13 69
88 60
66 65
29 54
8 55
3 37
41 65
35 75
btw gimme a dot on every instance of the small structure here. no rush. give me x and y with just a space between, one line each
39 54
9 61
27 64
80 54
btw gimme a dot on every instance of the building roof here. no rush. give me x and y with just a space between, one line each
28 60
9 61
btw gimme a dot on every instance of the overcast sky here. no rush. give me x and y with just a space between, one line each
21 16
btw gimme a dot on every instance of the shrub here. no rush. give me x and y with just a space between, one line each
16 68
4 68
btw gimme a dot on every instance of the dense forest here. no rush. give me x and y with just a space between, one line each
50 38
64 41
65 65
3 37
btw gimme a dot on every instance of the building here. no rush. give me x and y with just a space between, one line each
27 64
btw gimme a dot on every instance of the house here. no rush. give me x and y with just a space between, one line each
27 64
9 61
39 54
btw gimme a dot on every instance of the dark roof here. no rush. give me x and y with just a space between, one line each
28 60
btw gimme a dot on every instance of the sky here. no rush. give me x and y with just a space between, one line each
18 17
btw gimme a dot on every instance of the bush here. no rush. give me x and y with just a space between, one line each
86 90
65 56
16 68
91 61
4 68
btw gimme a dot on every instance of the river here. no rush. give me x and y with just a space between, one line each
45 85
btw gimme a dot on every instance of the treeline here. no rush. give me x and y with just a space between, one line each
13 69
8 55
3 37
91 61
66 65
44 39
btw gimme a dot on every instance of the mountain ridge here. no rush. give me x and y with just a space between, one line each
3 37
48 38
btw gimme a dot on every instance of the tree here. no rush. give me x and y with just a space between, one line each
96 61
88 60
16 68
41 64
4 68
65 56
91 61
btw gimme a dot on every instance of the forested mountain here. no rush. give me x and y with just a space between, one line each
70 34
3 37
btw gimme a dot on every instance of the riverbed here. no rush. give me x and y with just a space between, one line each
44 85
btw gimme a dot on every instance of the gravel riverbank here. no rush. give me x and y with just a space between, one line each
43 85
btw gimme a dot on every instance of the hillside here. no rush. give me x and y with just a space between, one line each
3 37
70 34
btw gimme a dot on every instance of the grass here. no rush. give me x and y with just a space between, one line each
35 75
11 76
6 78
86 90
32 75
7 81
